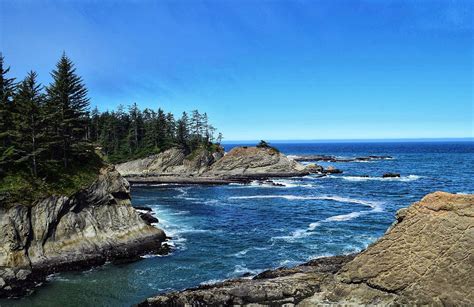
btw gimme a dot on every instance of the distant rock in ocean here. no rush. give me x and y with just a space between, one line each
425 258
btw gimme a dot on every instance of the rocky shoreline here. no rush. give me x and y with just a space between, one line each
425 258
60 233
240 165
324 158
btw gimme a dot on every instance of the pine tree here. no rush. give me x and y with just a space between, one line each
161 129
7 89
29 122
170 129
66 108
135 130
219 138
94 125
151 134
182 131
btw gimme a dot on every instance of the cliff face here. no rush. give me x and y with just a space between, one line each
172 162
425 258
88 228
204 166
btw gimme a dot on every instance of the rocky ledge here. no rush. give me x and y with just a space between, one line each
95 225
325 158
241 164
425 258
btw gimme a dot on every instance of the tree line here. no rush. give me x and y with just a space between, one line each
49 129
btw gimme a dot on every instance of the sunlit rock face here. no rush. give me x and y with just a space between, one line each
92 226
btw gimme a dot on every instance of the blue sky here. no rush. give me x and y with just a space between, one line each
264 69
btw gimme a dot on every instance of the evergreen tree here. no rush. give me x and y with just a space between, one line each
136 128
219 138
161 129
29 122
66 109
182 131
170 129
7 89
94 125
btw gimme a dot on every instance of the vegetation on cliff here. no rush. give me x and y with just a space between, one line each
51 143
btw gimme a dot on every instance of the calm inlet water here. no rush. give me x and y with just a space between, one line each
226 231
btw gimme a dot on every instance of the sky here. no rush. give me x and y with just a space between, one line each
267 69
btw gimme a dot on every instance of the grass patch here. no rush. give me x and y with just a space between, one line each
20 187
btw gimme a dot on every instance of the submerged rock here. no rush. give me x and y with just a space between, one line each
391 175
326 158
425 258
57 233
332 170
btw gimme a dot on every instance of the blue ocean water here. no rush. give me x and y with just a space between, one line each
222 232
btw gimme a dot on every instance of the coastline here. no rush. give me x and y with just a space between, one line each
377 275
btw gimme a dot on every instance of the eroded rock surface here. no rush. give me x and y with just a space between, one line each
62 233
172 162
257 162
425 258
203 167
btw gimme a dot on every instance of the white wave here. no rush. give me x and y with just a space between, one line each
293 157
148 256
240 270
211 282
375 206
276 183
344 217
360 178
464 193
245 251
288 263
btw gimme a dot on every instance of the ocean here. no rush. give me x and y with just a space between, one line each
228 231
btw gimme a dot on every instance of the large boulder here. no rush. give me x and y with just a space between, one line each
427 257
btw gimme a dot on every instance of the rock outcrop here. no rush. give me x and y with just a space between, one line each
315 158
205 167
92 226
255 162
172 162
425 258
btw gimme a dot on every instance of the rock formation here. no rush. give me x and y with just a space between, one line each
94 225
203 167
425 258
315 158
172 162
256 162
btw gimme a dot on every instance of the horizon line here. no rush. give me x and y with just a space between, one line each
445 139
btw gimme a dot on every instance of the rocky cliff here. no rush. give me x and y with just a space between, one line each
94 225
172 162
256 162
425 258
203 166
